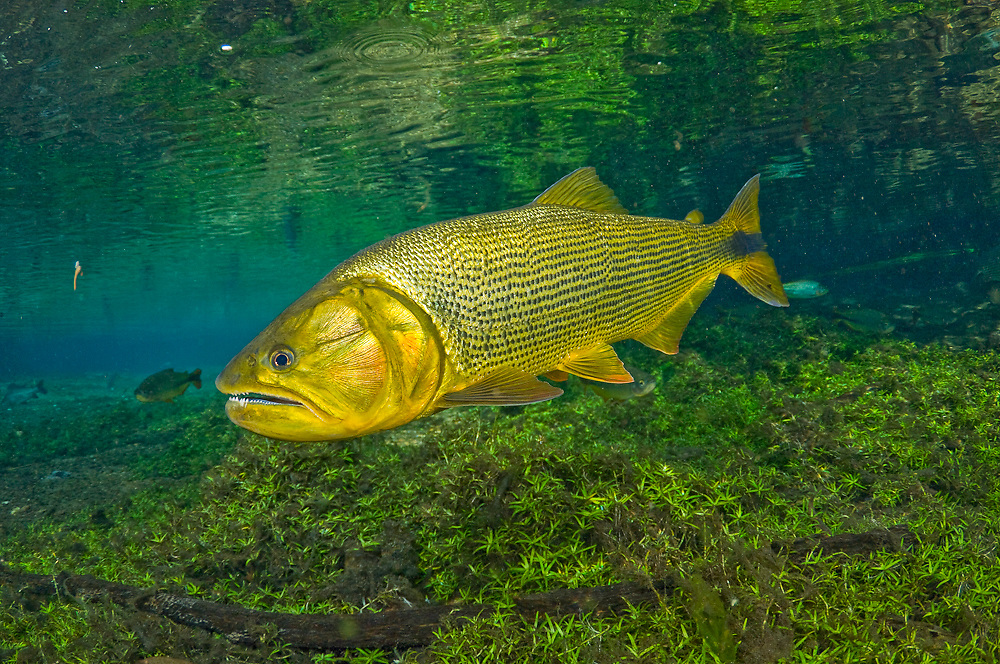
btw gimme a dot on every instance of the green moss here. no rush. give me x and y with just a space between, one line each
696 482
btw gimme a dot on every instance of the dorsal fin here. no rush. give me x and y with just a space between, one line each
581 189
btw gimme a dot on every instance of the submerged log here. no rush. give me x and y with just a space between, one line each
404 628
896 538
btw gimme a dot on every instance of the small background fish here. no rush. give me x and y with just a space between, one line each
867 321
989 265
804 289
642 385
18 394
167 385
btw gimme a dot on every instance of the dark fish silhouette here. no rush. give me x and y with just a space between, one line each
18 394
166 385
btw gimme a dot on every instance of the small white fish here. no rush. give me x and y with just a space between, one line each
804 289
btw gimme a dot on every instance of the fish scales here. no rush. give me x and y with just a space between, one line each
520 287
471 311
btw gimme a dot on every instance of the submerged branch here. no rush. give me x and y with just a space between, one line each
404 628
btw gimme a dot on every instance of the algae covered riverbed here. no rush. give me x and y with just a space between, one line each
733 482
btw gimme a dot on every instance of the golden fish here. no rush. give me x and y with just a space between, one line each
471 310
166 385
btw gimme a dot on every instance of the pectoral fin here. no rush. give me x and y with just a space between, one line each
666 336
598 362
504 387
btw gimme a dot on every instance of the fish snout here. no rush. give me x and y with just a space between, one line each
224 382
237 373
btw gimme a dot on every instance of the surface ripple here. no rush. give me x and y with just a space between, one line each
390 45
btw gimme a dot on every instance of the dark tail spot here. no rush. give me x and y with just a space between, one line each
744 244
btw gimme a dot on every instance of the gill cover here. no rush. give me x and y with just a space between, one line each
336 364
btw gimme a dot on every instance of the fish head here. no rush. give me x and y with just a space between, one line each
642 383
820 290
805 289
342 361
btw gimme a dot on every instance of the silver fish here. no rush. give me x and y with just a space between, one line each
804 289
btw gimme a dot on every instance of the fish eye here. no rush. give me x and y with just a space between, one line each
282 358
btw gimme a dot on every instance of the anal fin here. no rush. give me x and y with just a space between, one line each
504 387
666 336
598 362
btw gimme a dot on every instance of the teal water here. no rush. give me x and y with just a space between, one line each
206 162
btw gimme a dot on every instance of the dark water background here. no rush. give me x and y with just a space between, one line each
207 162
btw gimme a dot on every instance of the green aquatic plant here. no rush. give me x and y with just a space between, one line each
722 481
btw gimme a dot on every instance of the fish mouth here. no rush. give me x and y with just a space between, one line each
244 399
242 404
280 417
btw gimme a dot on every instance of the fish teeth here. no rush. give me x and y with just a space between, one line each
241 399
245 399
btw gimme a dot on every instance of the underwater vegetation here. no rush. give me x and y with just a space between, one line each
726 480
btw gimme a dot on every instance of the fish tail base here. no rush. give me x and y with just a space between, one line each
752 267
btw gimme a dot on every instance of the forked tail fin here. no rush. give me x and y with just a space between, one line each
753 269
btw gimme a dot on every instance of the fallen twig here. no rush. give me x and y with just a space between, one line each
404 628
